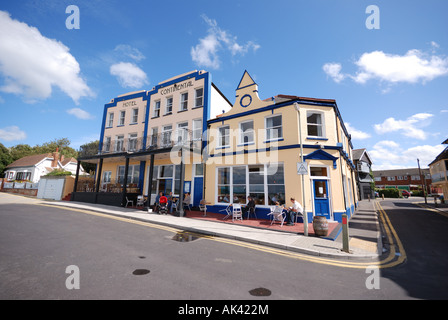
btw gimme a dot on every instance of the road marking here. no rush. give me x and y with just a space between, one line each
422 205
390 261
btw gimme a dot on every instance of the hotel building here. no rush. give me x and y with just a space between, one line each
151 142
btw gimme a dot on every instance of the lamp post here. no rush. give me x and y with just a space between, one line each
305 216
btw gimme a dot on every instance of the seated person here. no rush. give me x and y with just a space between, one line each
293 211
250 205
163 201
187 199
157 203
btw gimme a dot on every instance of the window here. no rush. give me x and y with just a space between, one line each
106 146
415 178
199 99
274 129
224 185
110 121
239 185
132 142
153 137
246 132
107 176
169 105
182 133
166 135
377 178
261 182
122 116
197 129
315 124
23 176
184 101
199 169
156 111
224 136
276 183
399 177
134 115
318 172
390 178
119 143
133 174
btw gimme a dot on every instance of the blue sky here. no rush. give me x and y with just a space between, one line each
390 83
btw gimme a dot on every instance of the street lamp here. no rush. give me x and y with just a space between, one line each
305 216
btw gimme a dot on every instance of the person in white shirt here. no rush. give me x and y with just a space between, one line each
293 211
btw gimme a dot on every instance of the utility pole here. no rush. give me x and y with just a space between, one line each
422 181
305 215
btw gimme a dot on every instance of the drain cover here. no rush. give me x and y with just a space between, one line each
184 237
139 272
260 292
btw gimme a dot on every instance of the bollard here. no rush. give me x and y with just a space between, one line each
345 246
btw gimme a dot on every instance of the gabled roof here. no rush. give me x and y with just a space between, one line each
29 161
358 154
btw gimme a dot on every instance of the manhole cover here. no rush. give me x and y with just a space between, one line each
184 237
260 292
139 272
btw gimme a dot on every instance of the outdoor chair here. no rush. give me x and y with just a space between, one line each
237 213
129 202
228 211
203 207
277 215
140 201
251 211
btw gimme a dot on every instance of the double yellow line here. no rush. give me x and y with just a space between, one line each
396 256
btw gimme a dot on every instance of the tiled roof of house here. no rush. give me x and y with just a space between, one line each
29 161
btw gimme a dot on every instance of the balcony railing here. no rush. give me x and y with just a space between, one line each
163 140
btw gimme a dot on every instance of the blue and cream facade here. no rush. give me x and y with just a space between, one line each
142 136
254 149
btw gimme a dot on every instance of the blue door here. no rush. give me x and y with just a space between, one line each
198 185
321 200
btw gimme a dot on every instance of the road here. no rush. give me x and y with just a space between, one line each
127 260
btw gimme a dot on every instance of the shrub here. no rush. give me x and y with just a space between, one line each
389 193
59 172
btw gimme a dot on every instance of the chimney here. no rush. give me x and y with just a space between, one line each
54 163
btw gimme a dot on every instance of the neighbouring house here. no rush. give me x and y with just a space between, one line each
31 168
439 172
410 179
363 164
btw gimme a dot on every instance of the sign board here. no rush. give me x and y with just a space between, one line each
302 168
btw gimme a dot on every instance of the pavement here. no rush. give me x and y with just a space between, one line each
364 230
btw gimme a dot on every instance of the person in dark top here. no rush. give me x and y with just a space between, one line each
249 206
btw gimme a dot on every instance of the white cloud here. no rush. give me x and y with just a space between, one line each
32 64
129 75
355 133
408 127
12 133
80 114
390 155
412 67
128 51
205 53
334 71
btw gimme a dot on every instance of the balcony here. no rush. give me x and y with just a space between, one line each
164 140
439 176
363 167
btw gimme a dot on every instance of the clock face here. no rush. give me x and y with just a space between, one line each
245 101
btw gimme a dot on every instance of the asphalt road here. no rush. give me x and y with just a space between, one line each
125 260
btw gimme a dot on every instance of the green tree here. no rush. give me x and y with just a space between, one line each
62 144
5 158
89 149
20 151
